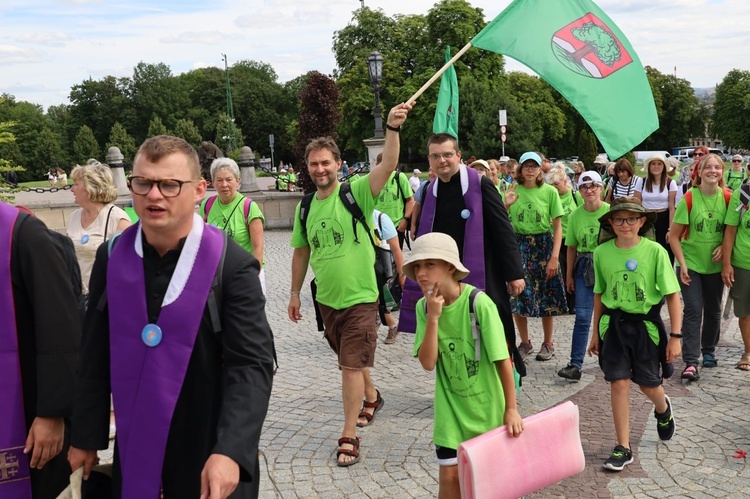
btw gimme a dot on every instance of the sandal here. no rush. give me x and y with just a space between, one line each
709 360
744 363
354 442
691 373
377 405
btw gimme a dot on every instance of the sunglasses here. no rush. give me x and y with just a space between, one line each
736 161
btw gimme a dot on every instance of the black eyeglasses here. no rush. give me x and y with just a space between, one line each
620 221
736 161
168 187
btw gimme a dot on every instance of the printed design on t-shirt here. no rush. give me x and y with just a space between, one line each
388 194
327 236
529 214
459 367
746 222
589 237
707 224
629 287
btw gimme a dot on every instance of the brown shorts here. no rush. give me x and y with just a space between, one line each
352 334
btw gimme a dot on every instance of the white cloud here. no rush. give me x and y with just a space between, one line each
201 37
10 54
56 38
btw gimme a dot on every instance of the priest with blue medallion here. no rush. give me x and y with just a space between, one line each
176 331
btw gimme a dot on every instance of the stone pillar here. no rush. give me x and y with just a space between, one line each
374 147
248 180
115 160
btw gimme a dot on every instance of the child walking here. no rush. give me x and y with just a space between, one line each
473 393
632 275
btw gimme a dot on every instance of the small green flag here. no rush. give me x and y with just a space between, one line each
576 48
446 112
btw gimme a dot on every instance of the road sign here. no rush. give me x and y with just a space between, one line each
502 129
270 139
503 115
502 137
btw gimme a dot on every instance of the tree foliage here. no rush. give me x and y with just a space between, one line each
587 149
156 127
85 145
732 108
318 117
120 138
186 129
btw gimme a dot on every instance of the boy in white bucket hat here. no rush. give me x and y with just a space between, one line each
474 382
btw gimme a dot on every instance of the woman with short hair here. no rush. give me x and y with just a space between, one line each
230 211
97 219
535 211
624 182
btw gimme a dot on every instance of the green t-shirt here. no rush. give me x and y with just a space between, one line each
633 280
706 221
741 250
344 268
469 397
569 203
733 180
534 208
230 219
390 201
583 228
501 191
283 179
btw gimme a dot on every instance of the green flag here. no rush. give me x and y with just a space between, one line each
577 49
446 112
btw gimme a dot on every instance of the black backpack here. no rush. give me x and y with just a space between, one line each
68 252
383 269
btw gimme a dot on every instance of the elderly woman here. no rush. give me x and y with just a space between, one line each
570 200
98 219
624 182
233 213
735 176
535 211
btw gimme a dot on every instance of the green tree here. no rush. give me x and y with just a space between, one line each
98 104
730 119
221 133
48 149
587 150
154 91
120 138
6 137
319 117
85 145
28 120
187 130
156 127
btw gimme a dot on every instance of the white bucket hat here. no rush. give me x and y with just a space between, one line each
434 246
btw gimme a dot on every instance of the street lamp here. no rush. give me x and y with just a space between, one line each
375 66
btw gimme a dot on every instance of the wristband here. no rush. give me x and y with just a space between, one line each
393 128
675 335
294 293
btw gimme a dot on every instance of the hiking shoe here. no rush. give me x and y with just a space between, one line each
525 349
570 372
709 360
665 422
392 333
690 373
546 352
619 459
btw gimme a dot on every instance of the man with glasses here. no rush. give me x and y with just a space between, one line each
467 207
735 176
176 330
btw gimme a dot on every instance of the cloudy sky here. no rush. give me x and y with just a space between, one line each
46 46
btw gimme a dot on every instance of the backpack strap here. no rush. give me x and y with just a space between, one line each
346 196
207 207
248 202
304 211
476 330
689 203
214 303
744 199
106 224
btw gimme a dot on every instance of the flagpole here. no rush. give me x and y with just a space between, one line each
439 73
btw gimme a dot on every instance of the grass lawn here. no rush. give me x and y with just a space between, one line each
36 183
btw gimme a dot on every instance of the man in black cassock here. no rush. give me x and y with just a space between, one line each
48 331
221 402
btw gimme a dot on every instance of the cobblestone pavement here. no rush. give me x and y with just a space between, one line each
398 460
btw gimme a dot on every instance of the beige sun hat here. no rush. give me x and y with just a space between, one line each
480 163
434 246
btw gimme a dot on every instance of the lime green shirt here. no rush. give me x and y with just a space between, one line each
469 397
569 203
344 268
741 249
534 208
706 222
633 280
583 228
733 180
231 219
390 200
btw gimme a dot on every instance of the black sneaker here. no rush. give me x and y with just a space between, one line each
665 422
570 372
619 459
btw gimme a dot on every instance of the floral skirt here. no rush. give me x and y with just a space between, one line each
540 297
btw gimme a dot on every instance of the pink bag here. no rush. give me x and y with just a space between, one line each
495 465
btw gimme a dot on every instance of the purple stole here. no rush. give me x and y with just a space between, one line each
15 480
146 381
473 243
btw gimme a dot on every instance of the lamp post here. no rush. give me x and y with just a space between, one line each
375 67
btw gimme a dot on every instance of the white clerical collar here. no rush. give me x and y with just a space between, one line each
464 180
184 264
